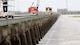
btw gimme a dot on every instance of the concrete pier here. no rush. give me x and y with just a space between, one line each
65 31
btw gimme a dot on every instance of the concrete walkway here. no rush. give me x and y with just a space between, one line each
66 31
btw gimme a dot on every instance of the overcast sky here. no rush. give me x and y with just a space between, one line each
22 5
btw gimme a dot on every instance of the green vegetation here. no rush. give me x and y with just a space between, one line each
76 16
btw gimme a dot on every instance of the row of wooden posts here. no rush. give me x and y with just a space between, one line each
27 32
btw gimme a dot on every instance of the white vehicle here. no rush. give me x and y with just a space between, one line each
6 15
4 10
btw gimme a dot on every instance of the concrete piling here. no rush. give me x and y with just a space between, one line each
27 32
